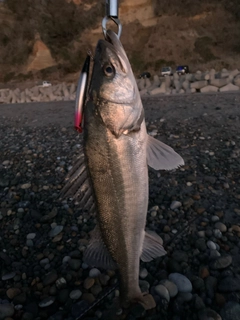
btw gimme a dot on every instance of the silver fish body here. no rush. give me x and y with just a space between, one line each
117 153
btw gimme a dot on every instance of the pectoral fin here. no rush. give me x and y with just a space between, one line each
162 157
152 247
97 254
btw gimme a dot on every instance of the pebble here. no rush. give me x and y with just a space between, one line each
214 254
180 256
26 186
31 236
185 296
75 294
61 283
88 283
55 231
221 262
229 284
209 314
183 283
215 218
6 310
175 205
220 226
162 291
94 273
49 278
217 233
171 287
46 302
143 273
12 292
211 245
8 276
230 311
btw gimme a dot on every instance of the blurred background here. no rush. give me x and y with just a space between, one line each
49 38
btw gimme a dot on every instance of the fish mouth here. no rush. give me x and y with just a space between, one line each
113 43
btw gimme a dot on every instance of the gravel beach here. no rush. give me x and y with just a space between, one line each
195 209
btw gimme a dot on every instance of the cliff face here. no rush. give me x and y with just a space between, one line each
204 36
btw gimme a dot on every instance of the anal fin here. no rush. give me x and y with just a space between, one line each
152 247
97 254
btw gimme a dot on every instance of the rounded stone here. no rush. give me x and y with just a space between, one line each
171 287
217 233
46 302
8 276
183 283
94 273
221 262
31 236
211 245
6 310
175 204
231 311
208 314
75 294
220 226
55 231
13 292
143 273
88 283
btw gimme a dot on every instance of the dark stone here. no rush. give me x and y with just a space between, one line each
230 311
50 278
180 256
229 284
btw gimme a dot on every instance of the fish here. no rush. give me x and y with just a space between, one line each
110 176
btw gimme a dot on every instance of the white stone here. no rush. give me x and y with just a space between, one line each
229 87
211 245
199 84
148 83
175 204
236 80
186 85
219 82
141 84
209 88
177 85
143 92
161 89
199 76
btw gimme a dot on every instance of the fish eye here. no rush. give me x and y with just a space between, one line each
108 70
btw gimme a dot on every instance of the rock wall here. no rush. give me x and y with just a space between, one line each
202 82
40 58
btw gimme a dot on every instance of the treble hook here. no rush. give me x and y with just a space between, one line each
111 13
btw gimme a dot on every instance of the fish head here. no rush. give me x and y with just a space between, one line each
112 79
113 86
